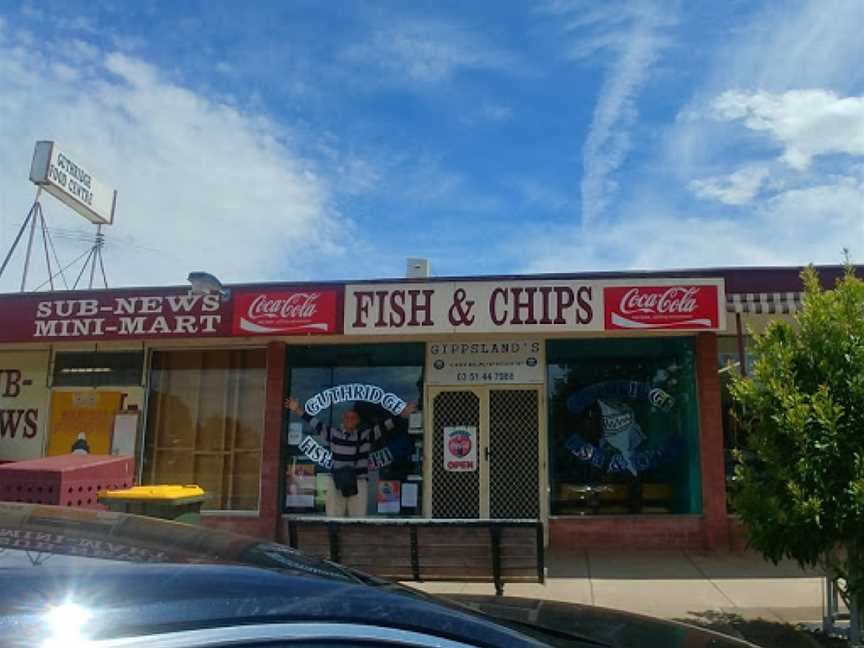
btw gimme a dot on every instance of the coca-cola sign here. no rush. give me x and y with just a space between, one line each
672 306
286 312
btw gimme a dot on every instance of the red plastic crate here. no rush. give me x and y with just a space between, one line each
65 480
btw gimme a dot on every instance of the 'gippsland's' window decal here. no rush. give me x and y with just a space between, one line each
619 448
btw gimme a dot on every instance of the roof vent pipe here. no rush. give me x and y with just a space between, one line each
417 268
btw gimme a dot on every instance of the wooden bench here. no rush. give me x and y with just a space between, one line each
497 551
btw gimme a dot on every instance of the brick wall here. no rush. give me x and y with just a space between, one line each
265 525
737 534
628 531
271 459
251 525
716 524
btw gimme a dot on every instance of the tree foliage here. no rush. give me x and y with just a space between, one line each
800 490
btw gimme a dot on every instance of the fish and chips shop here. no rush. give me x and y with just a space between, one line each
590 402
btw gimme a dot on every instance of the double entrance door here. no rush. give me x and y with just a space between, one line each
486 447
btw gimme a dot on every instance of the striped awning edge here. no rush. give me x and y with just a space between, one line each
769 303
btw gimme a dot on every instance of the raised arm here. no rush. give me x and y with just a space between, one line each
318 427
390 422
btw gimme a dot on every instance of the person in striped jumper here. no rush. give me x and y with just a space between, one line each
350 444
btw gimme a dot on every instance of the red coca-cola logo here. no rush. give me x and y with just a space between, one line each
677 299
459 444
294 307
285 312
659 307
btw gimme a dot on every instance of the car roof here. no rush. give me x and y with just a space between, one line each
143 576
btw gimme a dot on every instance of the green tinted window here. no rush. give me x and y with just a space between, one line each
623 427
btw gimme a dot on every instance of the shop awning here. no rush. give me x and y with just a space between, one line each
777 302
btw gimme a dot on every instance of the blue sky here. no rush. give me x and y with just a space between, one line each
310 140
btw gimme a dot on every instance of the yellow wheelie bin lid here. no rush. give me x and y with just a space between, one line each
164 493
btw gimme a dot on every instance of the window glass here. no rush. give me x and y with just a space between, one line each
205 424
390 481
89 369
727 354
623 427
734 437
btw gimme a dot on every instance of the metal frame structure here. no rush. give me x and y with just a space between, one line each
494 528
483 456
36 219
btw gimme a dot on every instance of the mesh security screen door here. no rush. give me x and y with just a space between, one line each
455 494
514 436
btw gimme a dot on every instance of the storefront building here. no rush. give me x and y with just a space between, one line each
591 402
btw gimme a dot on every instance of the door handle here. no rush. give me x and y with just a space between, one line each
486 453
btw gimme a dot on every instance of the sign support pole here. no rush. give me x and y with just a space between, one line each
15 242
96 248
94 256
56 173
33 218
45 247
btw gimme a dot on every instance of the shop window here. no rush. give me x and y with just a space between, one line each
98 369
205 424
728 359
734 436
623 427
394 484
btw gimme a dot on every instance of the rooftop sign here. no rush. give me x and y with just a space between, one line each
63 177
535 306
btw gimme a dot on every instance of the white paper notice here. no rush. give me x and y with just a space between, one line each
409 495
415 421
295 433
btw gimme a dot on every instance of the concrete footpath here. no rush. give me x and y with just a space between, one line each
672 584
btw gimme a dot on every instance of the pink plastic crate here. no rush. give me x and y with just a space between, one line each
65 480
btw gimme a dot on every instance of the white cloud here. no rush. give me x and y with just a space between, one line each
806 123
201 184
782 47
496 112
737 188
832 210
634 36
29 11
75 23
428 51
794 227
791 45
768 110
128 43
543 195
487 112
